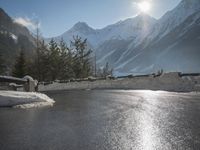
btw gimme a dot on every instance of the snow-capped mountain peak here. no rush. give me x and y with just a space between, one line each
129 28
80 24
82 27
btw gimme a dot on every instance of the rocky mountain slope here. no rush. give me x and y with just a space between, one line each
172 45
13 37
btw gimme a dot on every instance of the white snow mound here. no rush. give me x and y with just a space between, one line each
24 99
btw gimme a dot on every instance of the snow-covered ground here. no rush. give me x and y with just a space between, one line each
166 82
24 99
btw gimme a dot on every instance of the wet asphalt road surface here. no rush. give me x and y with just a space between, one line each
105 120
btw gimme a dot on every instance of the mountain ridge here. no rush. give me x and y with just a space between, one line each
126 44
138 45
13 37
119 30
162 44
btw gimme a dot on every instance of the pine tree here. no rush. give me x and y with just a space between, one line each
38 66
66 70
54 60
82 66
60 61
39 50
20 65
2 65
44 61
70 63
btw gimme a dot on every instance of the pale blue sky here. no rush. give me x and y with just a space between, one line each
57 16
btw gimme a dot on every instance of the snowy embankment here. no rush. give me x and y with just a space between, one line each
24 99
166 82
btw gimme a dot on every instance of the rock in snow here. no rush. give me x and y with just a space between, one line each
24 99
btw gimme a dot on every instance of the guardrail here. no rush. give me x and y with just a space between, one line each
27 83
10 79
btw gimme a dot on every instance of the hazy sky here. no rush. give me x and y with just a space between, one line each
57 16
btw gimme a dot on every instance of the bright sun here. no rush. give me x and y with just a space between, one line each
144 6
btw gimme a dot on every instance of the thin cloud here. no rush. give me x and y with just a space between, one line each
27 23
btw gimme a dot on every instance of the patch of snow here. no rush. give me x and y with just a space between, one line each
149 67
189 26
14 37
35 104
165 51
28 78
119 74
13 84
104 57
24 99
128 61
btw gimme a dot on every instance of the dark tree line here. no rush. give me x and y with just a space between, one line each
19 69
2 65
56 61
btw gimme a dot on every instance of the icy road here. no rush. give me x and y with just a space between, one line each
105 120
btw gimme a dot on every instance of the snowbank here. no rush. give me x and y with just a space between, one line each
24 99
166 82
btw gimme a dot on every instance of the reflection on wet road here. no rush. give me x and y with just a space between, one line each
107 119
